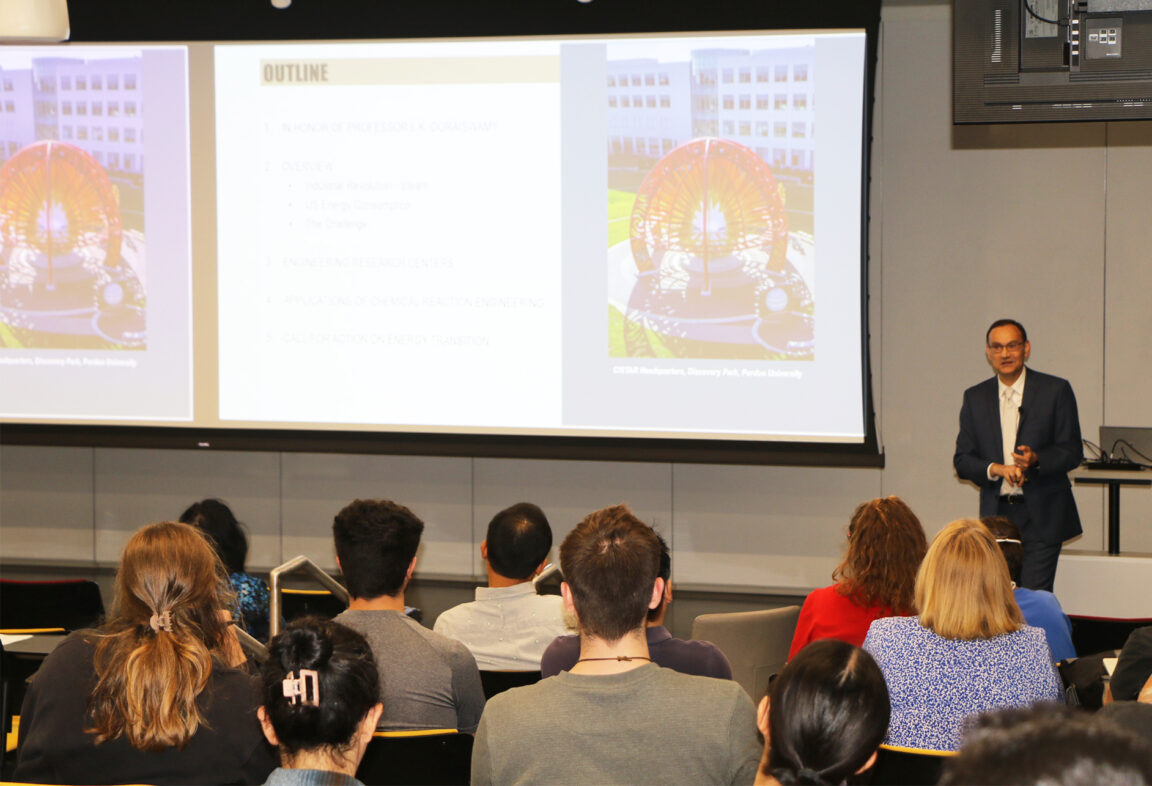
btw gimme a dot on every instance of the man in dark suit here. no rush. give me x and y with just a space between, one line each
1019 437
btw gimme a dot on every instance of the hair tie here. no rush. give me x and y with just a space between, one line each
809 775
1009 540
297 687
161 622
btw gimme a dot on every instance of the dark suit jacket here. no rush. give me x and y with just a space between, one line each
1050 425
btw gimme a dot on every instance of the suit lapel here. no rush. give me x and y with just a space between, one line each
1031 381
992 405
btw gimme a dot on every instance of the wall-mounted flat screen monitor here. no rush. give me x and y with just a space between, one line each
1024 61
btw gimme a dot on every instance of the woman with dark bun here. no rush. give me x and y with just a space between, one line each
320 703
875 579
215 519
154 695
824 718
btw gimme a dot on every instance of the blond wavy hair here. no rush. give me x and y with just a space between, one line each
149 677
962 589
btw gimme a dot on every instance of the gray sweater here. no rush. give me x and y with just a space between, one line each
647 725
427 681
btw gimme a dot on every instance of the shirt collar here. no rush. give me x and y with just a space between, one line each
1017 386
498 593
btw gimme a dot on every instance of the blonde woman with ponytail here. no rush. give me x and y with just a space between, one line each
153 696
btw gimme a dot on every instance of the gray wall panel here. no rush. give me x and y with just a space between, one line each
137 487
46 504
438 490
1047 223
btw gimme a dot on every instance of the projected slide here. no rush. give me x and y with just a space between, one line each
389 217
95 317
620 236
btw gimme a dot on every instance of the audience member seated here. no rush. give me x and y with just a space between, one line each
1040 608
427 681
615 717
824 718
702 658
1134 717
875 579
320 708
215 519
1133 667
508 626
150 697
1049 746
969 650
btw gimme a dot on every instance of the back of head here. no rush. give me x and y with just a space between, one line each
215 519
154 656
829 713
886 544
519 540
962 589
610 561
337 681
1049 746
376 541
1008 538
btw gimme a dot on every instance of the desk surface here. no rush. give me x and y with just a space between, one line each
39 644
1136 477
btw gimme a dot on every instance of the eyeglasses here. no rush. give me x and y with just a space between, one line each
1011 346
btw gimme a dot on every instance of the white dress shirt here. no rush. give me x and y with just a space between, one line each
506 628
1009 423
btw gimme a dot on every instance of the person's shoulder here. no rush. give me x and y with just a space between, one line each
452 616
1029 636
896 625
1140 637
77 648
445 644
983 386
823 594
1045 381
514 702
696 649
704 689
563 643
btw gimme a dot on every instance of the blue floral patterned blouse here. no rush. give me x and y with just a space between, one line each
936 683
252 599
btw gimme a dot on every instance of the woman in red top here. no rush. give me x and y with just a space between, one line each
876 578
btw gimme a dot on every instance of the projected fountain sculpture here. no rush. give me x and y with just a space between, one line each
63 282
709 240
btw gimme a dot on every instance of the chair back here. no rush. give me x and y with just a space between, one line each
71 604
441 757
297 603
756 642
495 682
896 766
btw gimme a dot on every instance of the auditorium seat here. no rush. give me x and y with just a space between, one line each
299 603
499 681
896 766
438 757
756 642
72 604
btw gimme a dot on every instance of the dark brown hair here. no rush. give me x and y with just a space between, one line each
376 540
886 544
610 561
149 677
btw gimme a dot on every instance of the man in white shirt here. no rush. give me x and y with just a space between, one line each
508 626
